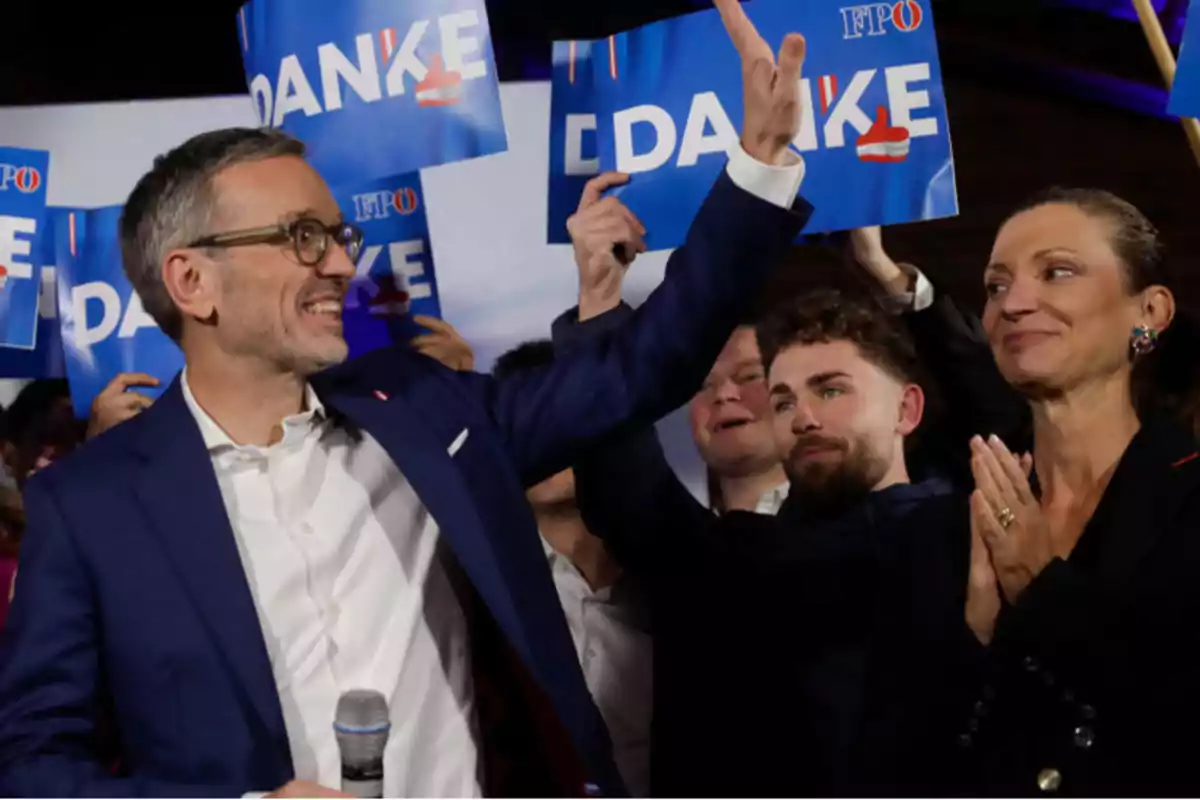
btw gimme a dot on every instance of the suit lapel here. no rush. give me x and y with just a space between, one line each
427 463
1157 473
180 497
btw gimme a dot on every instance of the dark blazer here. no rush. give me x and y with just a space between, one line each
797 655
791 653
1090 684
133 635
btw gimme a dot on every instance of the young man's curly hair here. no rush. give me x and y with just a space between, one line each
829 315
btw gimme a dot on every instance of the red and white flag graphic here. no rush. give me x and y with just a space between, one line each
828 86
441 87
387 44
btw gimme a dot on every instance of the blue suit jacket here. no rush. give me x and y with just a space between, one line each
133 621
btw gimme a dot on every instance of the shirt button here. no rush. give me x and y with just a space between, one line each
306 529
1049 780
1087 712
966 740
1085 737
1030 664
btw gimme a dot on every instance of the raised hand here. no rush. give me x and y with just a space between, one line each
443 343
118 402
866 246
770 87
607 237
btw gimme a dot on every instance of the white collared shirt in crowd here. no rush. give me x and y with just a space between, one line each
611 631
344 563
772 500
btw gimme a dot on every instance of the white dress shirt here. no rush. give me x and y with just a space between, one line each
610 628
343 563
345 566
771 500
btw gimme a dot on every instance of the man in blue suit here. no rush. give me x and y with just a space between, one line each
201 584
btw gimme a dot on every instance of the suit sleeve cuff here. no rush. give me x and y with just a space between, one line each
567 331
778 185
922 295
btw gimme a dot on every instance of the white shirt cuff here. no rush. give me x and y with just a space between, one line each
778 185
921 296
255 795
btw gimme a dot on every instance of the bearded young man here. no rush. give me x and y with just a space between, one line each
803 652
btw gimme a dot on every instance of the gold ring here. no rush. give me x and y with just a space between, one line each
1005 517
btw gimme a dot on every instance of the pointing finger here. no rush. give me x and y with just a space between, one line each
791 57
125 380
597 186
434 324
746 38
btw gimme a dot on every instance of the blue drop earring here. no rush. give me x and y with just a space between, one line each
1143 341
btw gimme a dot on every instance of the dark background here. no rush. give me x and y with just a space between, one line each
1019 121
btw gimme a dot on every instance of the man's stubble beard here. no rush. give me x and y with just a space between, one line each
830 487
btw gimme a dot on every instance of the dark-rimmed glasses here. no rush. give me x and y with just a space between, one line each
308 237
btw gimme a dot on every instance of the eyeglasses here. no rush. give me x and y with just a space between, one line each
308 237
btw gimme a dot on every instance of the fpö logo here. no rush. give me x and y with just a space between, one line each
24 179
876 19
380 205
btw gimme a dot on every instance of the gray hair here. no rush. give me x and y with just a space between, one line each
173 204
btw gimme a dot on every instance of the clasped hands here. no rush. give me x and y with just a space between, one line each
1010 538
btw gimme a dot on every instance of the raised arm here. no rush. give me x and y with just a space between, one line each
627 491
956 355
631 377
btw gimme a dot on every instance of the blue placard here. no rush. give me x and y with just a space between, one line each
45 360
105 330
23 176
668 100
375 87
395 270
1185 93
573 153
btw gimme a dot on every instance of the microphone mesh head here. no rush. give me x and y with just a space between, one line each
361 709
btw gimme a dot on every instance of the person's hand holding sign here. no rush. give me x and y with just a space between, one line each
771 88
607 236
119 402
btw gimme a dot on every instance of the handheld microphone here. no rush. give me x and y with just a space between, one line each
362 725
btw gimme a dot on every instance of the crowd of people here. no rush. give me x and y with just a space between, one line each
876 598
